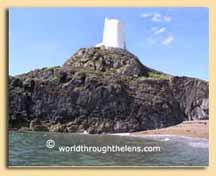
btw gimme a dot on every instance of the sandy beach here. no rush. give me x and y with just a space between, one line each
196 129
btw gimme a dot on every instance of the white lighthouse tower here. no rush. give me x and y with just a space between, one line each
113 35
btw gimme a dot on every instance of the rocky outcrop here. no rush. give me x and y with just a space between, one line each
103 90
192 95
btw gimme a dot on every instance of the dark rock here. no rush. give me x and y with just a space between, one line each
72 128
103 90
35 122
116 60
192 95
63 77
58 128
91 130
23 129
16 82
39 128
36 125
16 121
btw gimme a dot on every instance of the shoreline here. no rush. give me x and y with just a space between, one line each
187 129
193 129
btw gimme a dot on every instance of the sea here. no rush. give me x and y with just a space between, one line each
43 149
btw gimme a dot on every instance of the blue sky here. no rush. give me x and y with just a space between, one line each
172 40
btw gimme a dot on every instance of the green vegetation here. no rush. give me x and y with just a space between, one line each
54 78
47 68
51 68
157 76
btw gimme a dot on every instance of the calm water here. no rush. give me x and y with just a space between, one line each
29 149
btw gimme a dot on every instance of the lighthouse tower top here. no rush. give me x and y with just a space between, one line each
113 35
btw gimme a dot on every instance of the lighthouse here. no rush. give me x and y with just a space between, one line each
113 34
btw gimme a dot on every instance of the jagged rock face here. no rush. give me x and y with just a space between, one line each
104 90
113 60
192 95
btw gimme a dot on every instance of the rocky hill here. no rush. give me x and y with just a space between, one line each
103 90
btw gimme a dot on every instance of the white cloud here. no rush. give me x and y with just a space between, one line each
159 30
145 15
168 40
156 17
159 33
